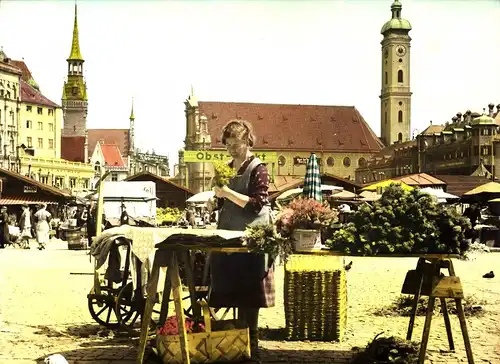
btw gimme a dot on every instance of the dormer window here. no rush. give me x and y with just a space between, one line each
74 90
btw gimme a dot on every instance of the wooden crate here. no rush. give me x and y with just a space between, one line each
315 295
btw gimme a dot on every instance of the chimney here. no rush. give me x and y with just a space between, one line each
454 119
431 122
459 116
498 109
490 110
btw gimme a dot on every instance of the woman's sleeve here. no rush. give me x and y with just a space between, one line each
258 189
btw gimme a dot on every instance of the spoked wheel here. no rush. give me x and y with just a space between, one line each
102 307
129 309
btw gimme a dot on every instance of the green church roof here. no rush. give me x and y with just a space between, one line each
396 23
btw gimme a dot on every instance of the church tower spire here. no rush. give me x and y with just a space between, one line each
74 98
395 95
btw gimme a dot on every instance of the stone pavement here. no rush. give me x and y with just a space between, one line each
43 311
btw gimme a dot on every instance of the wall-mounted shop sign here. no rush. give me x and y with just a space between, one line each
211 156
30 189
303 160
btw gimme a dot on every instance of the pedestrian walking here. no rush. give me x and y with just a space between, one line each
25 227
42 218
124 219
4 228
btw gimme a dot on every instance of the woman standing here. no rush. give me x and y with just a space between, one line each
25 227
42 218
241 280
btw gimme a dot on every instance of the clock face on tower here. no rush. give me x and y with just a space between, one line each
400 50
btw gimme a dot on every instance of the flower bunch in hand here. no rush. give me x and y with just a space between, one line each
223 173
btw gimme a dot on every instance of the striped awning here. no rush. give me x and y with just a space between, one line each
21 200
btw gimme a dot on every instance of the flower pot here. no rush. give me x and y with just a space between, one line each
306 240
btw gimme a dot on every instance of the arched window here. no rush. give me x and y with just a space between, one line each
400 137
386 77
281 160
400 116
400 76
362 162
347 162
385 117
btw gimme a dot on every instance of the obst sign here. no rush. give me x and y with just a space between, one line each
211 156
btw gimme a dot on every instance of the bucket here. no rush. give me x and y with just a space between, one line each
74 239
306 240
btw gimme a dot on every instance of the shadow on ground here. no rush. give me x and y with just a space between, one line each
100 345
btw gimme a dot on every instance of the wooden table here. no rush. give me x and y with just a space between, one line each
425 280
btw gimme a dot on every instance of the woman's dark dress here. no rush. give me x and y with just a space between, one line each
240 279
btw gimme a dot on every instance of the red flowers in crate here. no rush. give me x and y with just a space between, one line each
170 326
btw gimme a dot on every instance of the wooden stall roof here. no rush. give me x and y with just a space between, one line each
158 178
42 186
458 185
420 180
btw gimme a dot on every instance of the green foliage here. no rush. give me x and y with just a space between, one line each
167 214
388 350
223 173
265 239
403 222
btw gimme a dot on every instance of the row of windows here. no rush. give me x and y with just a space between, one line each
29 142
29 125
330 161
39 110
400 77
8 94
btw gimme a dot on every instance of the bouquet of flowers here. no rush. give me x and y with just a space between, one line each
171 328
265 239
223 173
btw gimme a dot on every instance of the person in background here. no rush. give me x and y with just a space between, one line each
4 227
91 221
42 218
243 280
124 219
25 226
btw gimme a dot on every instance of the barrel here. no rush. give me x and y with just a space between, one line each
74 239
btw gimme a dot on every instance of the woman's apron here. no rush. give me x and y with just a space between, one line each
241 279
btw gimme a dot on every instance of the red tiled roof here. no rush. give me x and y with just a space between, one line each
9 67
31 95
26 74
73 148
112 155
297 127
458 185
120 137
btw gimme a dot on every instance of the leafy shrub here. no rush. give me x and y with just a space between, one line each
403 222
265 239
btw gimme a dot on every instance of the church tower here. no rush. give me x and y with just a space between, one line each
395 96
74 98
131 144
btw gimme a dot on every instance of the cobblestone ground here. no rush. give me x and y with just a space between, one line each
43 310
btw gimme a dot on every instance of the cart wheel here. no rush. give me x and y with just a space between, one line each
129 309
102 307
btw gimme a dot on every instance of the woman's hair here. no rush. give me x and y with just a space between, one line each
238 129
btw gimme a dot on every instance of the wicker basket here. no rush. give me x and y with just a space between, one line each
315 295
306 240
207 347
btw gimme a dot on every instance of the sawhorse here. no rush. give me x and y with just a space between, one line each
427 280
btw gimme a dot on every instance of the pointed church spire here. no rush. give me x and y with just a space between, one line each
132 117
75 44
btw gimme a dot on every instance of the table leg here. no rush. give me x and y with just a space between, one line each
152 287
415 302
427 329
447 323
167 288
188 268
463 322
179 312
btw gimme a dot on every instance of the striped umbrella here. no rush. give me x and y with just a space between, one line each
312 182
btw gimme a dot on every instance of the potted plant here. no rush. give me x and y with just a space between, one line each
303 220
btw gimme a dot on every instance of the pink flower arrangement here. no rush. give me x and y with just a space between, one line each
305 213
170 326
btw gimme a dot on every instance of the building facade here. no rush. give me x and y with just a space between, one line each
10 105
468 145
395 96
107 158
338 135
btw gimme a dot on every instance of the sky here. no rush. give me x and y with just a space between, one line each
294 52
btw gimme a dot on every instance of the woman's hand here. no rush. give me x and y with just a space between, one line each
222 192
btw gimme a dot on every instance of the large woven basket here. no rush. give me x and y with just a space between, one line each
315 295
210 346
